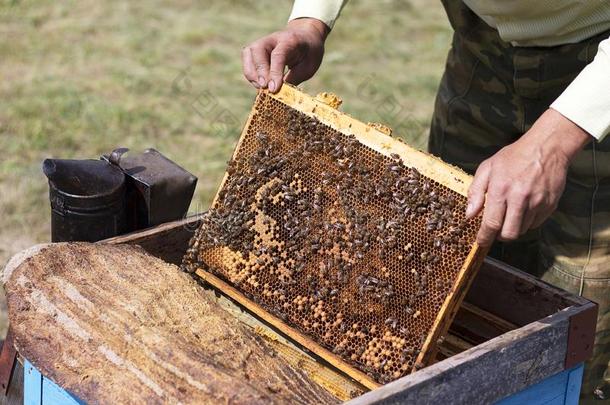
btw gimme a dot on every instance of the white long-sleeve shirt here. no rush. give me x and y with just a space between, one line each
586 101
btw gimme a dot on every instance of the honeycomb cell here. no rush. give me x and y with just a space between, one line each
351 247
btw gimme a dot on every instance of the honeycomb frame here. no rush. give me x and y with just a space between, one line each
223 267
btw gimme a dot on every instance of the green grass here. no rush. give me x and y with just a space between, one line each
78 78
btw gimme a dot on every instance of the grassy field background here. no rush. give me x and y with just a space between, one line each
79 78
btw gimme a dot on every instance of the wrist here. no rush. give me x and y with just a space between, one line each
558 136
569 137
311 24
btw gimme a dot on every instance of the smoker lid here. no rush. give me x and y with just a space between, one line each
83 180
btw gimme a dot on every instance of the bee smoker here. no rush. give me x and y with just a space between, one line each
93 200
87 199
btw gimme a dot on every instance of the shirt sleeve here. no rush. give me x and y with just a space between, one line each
326 11
586 101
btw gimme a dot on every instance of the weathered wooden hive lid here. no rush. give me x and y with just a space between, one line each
112 324
353 242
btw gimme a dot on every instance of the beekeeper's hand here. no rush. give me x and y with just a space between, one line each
519 187
300 47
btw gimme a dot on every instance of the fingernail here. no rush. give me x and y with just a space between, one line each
261 81
255 84
469 209
271 86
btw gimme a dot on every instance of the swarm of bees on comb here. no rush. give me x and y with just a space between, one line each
353 248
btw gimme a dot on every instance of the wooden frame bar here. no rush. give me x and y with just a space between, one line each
292 333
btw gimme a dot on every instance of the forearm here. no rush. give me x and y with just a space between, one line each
586 102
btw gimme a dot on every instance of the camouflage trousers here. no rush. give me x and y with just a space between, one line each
491 93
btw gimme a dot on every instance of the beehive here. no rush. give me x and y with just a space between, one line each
346 239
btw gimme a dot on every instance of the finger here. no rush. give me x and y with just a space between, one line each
248 66
546 206
279 58
528 221
261 57
515 213
493 218
477 190
540 218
